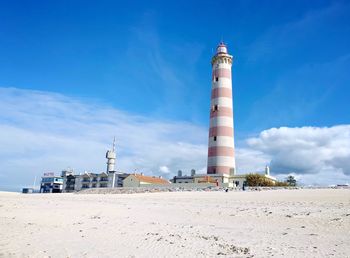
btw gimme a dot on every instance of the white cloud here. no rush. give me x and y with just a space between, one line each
164 169
42 132
250 160
323 152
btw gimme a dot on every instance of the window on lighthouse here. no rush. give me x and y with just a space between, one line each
216 79
214 138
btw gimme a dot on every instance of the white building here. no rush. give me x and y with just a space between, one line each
51 183
92 180
88 180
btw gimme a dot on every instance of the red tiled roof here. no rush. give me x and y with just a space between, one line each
152 180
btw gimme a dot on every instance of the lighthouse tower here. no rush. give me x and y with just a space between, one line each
110 156
221 154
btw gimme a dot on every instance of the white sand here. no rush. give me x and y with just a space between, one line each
290 223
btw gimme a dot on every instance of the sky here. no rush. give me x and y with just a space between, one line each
74 74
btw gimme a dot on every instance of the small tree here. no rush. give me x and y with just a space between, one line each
291 181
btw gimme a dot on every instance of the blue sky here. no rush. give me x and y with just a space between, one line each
151 59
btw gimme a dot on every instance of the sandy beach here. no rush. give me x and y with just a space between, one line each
289 223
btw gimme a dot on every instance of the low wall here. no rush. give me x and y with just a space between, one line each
182 185
178 188
153 188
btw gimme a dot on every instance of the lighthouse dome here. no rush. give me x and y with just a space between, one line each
221 48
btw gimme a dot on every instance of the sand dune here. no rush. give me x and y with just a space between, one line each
290 223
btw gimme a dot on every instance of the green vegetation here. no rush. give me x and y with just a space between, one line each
258 180
261 180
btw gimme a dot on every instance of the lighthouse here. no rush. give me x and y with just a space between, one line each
221 151
110 156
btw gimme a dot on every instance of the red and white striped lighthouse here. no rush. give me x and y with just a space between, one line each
221 154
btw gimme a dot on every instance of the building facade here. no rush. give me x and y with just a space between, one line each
182 179
221 153
88 180
51 183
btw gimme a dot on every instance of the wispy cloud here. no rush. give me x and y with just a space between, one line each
300 77
170 69
278 41
43 131
302 93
